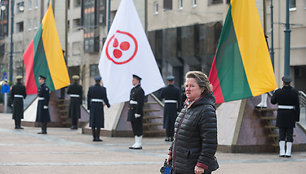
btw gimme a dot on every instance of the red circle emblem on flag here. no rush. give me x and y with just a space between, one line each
121 47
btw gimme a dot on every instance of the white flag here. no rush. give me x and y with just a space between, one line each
126 52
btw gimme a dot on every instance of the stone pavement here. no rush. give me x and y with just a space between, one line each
64 151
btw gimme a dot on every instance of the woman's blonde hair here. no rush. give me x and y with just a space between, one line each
201 79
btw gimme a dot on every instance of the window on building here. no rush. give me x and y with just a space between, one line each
101 12
20 27
76 23
76 48
29 24
35 23
292 4
77 3
155 6
194 3
30 4
213 2
94 70
20 7
167 4
180 4
36 4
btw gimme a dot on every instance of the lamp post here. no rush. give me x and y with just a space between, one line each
12 43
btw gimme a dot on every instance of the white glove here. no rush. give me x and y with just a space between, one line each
45 107
137 115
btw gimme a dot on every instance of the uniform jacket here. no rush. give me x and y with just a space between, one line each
196 137
170 92
43 105
136 94
97 108
75 102
288 96
18 89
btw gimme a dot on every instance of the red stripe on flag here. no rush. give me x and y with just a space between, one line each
28 58
214 80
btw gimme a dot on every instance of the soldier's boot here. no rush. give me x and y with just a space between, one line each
281 148
93 134
19 124
132 147
288 149
16 124
98 135
263 102
138 145
43 128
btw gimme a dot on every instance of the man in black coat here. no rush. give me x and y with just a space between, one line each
43 115
18 93
172 96
135 112
76 92
288 113
96 98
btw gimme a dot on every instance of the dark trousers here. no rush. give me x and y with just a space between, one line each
137 127
74 122
17 123
286 134
170 130
95 132
44 127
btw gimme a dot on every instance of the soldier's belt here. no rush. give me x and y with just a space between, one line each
285 107
74 95
132 102
97 100
18 96
41 98
170 101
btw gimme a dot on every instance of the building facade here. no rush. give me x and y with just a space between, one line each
297 42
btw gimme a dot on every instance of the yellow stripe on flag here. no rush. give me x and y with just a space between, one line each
253 47
53 51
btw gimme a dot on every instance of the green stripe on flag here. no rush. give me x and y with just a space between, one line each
231 73
40 62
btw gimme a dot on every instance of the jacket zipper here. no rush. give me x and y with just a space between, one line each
178 128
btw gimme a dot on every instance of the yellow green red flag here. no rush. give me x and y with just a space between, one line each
242 66
44 56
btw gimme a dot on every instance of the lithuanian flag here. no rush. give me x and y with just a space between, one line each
242 66
44 56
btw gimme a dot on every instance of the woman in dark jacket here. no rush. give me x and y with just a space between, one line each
195 143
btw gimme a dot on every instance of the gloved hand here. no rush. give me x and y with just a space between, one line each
137 115
45 107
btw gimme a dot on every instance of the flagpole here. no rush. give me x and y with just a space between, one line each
287 42
272 36
109 13
12 43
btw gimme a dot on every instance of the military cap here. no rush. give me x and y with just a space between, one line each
286 79
43 77
75 77
18 77
98 78
137 77
170 78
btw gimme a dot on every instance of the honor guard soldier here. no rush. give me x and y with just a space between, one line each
96 98
43 115
18 93
76 92
172 96
135 112
288 113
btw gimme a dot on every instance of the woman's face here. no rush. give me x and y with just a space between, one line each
192 89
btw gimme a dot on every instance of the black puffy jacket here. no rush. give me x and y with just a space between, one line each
196 137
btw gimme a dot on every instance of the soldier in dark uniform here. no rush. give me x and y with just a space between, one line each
18 93
135 112
96 98
75 91
43 115
172 96
288 113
